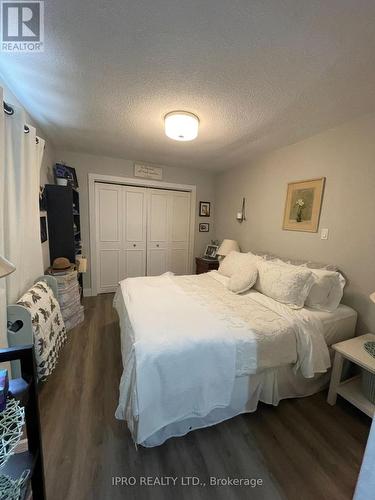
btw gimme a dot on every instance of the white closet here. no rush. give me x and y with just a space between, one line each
139 231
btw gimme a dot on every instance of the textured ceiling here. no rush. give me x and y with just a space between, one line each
259 73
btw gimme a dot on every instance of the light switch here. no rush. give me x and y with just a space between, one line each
324 234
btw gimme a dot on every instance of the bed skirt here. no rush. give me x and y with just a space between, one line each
270 387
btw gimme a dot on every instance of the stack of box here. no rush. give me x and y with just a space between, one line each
70 299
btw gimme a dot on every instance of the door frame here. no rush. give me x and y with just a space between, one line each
131 181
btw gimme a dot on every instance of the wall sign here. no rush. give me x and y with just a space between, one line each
148 171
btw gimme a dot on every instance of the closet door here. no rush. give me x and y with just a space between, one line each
157 232
168 232
109 235
134 216
179 230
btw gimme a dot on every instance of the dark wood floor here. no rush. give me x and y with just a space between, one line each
302 449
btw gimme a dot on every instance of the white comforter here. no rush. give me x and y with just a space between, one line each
184 340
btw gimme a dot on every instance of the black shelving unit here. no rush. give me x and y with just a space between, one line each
25 390
64 223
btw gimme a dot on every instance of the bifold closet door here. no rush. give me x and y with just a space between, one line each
168 232
134 215
109 235
120 234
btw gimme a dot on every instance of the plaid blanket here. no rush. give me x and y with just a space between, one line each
48 326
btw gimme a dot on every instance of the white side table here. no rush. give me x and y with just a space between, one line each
350 389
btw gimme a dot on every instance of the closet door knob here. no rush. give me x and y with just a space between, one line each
134 245
157 245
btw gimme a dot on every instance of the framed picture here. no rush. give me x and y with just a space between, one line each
211 251
43 229
204 227
64 172
204 209
42 199
303 205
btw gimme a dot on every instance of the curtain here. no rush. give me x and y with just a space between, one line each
366 480
21 227
3 336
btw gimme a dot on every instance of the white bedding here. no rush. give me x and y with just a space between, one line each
189 335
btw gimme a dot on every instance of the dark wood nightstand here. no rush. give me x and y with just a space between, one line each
205 265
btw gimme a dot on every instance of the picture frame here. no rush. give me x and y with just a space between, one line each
43 229
204 227
62 171
204 209
210 252
303 205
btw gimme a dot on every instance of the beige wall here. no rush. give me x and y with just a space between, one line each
346 157
85 164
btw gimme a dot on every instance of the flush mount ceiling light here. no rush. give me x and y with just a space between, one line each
181 125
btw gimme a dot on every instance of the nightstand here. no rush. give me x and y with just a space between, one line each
205 265
351 389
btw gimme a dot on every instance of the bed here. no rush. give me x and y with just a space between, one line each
195 354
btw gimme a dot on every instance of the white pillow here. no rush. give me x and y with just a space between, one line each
327 290
236 262
287 284
242 281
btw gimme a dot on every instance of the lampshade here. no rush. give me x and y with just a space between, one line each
6 267
181 125
228 246
372 296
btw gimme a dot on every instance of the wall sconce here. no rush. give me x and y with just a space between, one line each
241 215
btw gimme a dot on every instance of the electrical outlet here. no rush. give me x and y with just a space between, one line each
324 234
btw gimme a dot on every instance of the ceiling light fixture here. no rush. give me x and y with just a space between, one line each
181 125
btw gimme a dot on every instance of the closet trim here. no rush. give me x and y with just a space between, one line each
130 181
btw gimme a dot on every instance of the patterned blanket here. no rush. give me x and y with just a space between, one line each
48 326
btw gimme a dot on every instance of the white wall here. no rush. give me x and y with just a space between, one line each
346 157
85 164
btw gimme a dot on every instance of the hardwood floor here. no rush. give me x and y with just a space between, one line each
302 449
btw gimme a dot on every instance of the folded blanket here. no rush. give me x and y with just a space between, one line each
48 326
185 356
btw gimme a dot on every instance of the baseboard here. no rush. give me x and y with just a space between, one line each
87 292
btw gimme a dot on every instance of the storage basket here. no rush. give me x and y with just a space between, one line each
368 385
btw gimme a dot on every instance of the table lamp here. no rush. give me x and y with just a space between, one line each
6 267
226 247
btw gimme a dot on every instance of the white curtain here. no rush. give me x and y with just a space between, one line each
3 337
366 480
21 228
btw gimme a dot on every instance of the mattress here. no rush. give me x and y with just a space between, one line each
338 325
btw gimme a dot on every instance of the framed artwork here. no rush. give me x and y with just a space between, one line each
204 209
303 205
43 229
211 251
64 172
148 171
42 199
204 227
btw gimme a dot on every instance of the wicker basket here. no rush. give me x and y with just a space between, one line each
368 385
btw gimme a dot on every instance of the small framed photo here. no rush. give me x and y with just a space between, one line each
204 209
204 227
211 251
43 229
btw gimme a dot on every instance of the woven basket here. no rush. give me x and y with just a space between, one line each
368 385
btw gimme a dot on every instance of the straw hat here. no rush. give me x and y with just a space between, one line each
60 265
